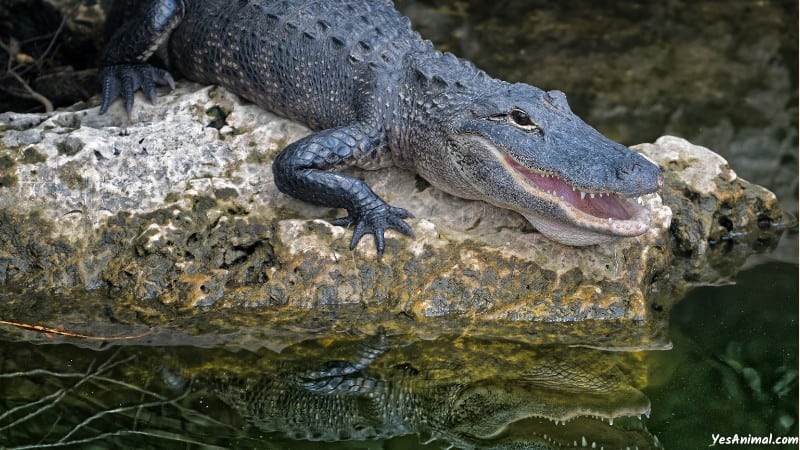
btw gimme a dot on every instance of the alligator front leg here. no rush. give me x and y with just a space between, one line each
347 377
302 171
124 68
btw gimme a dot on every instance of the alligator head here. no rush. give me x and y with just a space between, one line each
521 148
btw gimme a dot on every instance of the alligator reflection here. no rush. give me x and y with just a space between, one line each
466 393
457 392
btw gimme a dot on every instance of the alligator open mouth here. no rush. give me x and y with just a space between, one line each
582 432
594 217
600 204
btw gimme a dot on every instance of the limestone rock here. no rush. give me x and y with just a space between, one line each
173 214
718 219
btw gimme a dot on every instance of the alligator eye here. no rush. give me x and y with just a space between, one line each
520 117
523 120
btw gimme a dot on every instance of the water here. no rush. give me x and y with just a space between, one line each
722 74
733 370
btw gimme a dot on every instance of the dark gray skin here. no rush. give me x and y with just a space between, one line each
377 95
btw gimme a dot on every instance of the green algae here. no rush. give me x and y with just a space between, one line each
32 155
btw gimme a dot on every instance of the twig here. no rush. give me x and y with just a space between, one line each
50 45
12 49
44 329
73 434
48 105
100 414
59 394
157 434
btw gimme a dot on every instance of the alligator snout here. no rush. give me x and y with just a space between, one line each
640 175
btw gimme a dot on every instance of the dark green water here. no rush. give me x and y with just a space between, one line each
734 365
721 74
733 370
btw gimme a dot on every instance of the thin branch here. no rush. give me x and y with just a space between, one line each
101 414
155 433
73 434
50 330
12 49
59 394
52 42
48 105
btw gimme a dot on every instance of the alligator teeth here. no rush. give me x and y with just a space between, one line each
583 195
583 442
610 220
611 422
591 195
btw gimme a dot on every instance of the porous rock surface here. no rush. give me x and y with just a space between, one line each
173 214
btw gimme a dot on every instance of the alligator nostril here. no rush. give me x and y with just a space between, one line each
626 170
646 176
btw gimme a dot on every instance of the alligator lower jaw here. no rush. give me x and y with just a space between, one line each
592 218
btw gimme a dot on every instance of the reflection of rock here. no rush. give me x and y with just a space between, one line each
462 392
176 210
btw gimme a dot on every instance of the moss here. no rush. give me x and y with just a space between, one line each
70 175
8 178
32 155
218 117
202 205
34 256
6 163
172 197
257 157
226 193
69 147
280 144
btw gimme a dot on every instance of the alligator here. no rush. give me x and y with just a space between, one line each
558 398
377 94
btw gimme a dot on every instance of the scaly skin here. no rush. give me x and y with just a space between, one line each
377 94
565 399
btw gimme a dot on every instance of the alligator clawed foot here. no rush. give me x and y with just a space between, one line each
347 376
124 80
376 221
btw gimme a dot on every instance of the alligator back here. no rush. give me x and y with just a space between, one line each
316 62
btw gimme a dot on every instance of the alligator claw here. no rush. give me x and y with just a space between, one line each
376 221
125 79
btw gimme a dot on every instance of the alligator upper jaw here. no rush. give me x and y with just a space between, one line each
579 433
586 218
